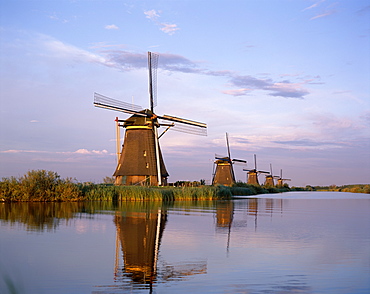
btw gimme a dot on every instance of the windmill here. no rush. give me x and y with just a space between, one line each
224 172
280 181
140 160
269 180
253 173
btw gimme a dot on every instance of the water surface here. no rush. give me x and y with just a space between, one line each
296 242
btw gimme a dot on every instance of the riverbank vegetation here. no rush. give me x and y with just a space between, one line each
48 186
345 188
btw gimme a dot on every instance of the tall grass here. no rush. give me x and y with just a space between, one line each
47 186
138 193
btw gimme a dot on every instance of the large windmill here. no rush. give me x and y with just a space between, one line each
253 173
269 180
280 181
140 160
224 171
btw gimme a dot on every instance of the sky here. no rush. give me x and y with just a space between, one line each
288 80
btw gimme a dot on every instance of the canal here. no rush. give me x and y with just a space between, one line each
295 242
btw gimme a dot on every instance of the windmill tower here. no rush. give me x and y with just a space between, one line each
224 171
280 181
253 173
269 180
140 160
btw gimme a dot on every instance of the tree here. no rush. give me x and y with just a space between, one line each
108 180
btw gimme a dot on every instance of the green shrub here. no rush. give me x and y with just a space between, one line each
38 185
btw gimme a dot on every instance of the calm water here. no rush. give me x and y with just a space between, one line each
297 242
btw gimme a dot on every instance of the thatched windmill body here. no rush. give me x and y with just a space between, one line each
140 160
269 179
253 173
280 180
224 171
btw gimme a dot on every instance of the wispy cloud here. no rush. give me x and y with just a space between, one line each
237 92
111 27
167 28
366 117
287 89
330 127
57 18
85 151
79 152
171 62
284 88
314 5
311 143
364 10
328 10
63 50
323 14
152 14
126 61
244 83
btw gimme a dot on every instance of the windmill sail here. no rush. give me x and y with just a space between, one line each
185 125
113 104
153 65
189 129
230 161
183 120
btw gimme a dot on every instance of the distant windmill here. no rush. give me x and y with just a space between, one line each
224 171
269 180
140 161
253 173
280 181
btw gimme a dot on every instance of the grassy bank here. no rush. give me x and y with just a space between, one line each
345 188
47 186
41 185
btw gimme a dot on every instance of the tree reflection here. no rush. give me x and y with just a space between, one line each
39 216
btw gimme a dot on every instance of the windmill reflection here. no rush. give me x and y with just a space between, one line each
224 218
139 235
224 213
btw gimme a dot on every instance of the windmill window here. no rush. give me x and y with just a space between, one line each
147 165
144 153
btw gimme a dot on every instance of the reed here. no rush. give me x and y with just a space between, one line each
47 186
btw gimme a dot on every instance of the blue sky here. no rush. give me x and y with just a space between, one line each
288 80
